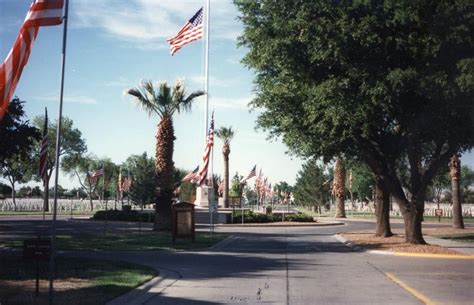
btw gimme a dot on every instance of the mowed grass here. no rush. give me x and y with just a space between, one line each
467 237
130 241
77 280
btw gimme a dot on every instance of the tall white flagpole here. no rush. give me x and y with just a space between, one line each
206 73
58 141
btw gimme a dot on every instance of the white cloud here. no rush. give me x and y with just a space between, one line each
230 103
214 81
149 23
70 99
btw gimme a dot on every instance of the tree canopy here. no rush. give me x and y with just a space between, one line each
387 82
17 136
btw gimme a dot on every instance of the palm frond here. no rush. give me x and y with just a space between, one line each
142 100
226 134
185 104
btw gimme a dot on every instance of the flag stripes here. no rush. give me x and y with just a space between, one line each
207 153
43 159
191 176
41 13
252 173
191 31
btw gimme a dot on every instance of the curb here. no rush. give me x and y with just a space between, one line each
148 290
254 225
401 254
349 244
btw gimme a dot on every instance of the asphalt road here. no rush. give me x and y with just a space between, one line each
297 265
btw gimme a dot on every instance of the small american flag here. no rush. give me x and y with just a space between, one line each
98 172
220 187
43 164
191 176
127 183
253 173
41 13
191 31
207 153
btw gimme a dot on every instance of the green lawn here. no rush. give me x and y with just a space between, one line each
130 242
462 237
77 280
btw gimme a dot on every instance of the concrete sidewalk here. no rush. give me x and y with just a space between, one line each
461 247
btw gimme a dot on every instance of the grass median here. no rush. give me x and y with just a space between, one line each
129 241
77 280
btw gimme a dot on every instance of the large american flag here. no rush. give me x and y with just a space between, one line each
207 153
41 13
43 159
191 31
252 173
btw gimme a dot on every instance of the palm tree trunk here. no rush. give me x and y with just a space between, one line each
455 171
164 167
226 180
339 188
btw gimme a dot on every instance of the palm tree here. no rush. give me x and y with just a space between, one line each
339 188
455 172
226 134
164 102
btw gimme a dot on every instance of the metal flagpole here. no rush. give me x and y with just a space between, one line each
206 72
58 141
206 97
103 198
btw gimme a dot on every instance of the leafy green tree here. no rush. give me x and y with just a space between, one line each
142 169
17 170
282 189
390 83
79 166
309 189
4 190
362 181
16 133
226 134
163 102
72 143
236 188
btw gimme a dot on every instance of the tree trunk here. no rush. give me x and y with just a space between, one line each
413 216
163 213
164 167
13 196
455 171
226 177
339 188
90 201
382 211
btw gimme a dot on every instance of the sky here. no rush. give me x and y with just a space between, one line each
114 44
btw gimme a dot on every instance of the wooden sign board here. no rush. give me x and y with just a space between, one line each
182 225
36 249
438 212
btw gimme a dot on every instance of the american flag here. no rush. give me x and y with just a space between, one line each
192 176
120 181
191 31
43 160
207 153
253 173
98 172
220 187
41 13
127 183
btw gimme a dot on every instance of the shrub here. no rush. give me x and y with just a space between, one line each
123 216
251 217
